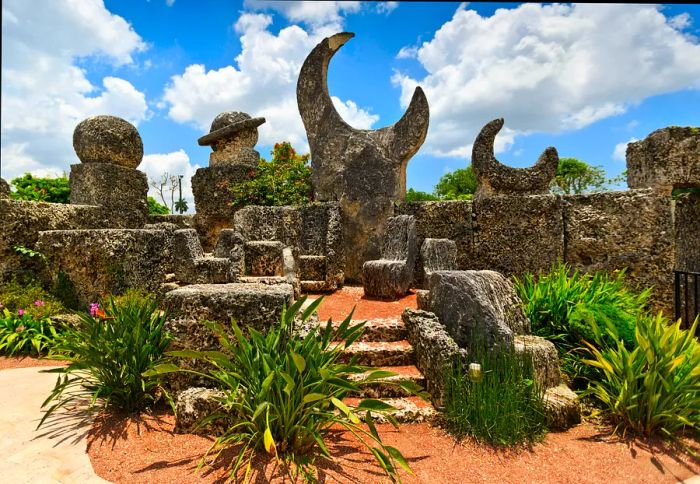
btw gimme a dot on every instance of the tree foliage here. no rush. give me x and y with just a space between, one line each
155 208
418 196
284 180
29 187
457 185
575 176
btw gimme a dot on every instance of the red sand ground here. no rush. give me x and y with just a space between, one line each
339 304
146 450
10 362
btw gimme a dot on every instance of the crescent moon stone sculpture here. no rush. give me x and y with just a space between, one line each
495 178
365 170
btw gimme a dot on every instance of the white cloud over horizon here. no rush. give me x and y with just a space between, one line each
45 93
174 163
620 151
546 68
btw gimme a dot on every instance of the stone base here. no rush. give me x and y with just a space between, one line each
386 279
195 404
561 408
121 190
264 258
544 356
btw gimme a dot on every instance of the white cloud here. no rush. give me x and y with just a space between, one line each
386 7
620 151
170 3
45 94
546 68
175 163
263 83
317 15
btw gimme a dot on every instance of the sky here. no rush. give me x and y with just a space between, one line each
584 78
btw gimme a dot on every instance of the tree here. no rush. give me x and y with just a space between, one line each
284 180
576 176
457 185
53 190
181 205
418 196
155 208
167 183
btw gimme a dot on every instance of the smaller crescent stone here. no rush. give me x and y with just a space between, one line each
495 178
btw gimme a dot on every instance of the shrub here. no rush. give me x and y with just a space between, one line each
108 354
654 388
54 190
21 333
30 297
156 208
460 184
561 305
418 196
283 392
503 407
284 180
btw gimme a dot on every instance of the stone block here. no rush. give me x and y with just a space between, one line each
631 229
193 405
312 267
442 220
391 276
562 408
4 189
477 307
688 232
516 234
667 158
122 191
423 299
544 357
439 255
264 258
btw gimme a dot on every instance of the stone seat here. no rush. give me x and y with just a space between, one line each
438 255
195 266
391 276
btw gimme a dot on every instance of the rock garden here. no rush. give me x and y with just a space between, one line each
308 323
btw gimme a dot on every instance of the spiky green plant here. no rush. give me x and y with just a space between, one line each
653 388
25 334
108 355
282 392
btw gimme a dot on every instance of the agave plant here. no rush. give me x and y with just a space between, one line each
282 392
654 388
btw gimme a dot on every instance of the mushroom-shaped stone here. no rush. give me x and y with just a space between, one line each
495 178
232 137
108 139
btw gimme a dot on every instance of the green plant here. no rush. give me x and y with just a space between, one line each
29 187
503 407
26 251
30 297
108 355
457 185
653 388
155 208
576 176
562 303
283 392
132 295
20 333
417 196
284 180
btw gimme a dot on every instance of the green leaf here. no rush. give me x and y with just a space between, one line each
299 361
314 397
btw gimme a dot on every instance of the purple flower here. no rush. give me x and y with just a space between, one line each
39 303
93 309
20 312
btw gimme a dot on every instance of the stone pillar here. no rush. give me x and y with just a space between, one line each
110 149
4 189
233 159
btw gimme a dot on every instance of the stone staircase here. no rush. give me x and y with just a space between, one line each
383 346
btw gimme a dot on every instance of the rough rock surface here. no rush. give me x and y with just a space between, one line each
688 232
516 234
365 170
494 178
180 221
438 255
193 267
195 404
122 191
391 276
544 357
631 229
212 199
667 158
232 137
4 189
423 299
435 350
85 265
561 408
20 224
264 258
108 139
477 305
443 220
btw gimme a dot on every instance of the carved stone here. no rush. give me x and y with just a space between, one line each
495 178
365 170
108 139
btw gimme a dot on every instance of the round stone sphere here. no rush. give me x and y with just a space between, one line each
108 139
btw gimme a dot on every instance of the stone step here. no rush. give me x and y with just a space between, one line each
380 353
385 330
386 387
408 409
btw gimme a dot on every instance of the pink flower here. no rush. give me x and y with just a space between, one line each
39 303
20 312
94 307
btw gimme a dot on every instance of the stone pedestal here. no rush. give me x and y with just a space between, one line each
212 199
121 190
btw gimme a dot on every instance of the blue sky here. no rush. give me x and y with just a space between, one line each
583 78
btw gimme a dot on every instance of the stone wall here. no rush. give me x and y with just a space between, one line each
604 231
20 224
687 233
